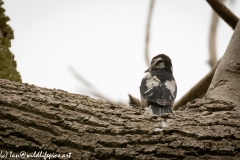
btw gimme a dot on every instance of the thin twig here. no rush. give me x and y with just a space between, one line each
148 32
93 90
228 16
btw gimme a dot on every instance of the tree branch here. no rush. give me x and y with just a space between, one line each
200 89
55 121
212 40
228 16
197 91
148 33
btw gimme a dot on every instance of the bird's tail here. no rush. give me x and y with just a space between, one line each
158 109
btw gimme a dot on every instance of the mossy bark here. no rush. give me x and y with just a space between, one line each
7 63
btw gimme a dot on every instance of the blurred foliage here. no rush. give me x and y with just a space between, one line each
7 63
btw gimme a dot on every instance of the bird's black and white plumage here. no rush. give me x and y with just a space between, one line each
158 88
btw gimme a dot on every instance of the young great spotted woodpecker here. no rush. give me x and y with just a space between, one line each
158 88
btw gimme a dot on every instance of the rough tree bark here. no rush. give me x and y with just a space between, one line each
40 119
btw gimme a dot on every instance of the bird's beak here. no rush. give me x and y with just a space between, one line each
148 70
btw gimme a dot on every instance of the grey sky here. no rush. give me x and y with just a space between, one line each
104 41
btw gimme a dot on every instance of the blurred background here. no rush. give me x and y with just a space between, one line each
58 42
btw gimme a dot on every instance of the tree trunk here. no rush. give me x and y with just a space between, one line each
55 121
226 80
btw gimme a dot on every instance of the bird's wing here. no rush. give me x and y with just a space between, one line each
163 93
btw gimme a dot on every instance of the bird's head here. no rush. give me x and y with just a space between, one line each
160 61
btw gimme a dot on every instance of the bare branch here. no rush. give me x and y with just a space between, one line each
197 91
200 89
148 32
212 40
93 90
228 16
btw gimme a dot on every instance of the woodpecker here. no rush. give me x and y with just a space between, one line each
158 88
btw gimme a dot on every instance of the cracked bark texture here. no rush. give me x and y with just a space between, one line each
40 119
226 80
